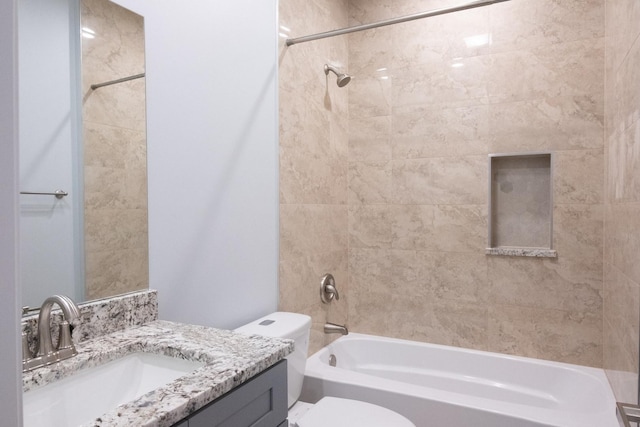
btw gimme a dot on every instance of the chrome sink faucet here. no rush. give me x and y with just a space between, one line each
46 355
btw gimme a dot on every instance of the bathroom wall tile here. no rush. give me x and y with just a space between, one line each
456 323
371 52
441 38
370 182
313 173
366 128
559 284
459 228
313 152
622 325
122 105
119 37
117 51
115 229
621 242
565 69
115 272
370 268
578 235
443 180
627 81
546 334
522 24
303 274
621 368
369 97
333 12
339 142
302 122
623 238
432 276
559 123
97 194
623 163
370 226
135 188
441 84
409 274
312 229
315 138
106 146
455 276
408 317
302 70
578 176
380 313
422 131
369 150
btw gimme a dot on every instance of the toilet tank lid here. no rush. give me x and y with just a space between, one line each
279 324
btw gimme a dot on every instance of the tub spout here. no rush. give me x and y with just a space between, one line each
332 328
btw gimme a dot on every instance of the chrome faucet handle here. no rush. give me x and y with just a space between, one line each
26 351
64 340
328 289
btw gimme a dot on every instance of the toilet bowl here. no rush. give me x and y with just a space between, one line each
328 411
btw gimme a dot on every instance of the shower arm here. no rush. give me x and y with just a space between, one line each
421 15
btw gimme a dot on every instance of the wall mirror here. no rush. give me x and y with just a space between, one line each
86 143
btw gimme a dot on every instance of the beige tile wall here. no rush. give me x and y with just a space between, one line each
394 199
313 164
426 109
115 179
622 198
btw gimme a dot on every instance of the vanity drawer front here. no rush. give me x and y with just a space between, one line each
260 402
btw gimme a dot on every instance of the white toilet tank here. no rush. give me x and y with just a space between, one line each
293 326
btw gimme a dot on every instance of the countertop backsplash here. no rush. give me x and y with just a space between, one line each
101 317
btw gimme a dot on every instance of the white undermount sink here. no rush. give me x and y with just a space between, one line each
92 392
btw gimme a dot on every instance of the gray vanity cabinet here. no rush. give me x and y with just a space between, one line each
259 402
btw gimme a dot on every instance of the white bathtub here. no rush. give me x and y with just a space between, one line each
440 386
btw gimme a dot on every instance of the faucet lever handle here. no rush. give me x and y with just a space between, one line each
65 341
26 351
328 290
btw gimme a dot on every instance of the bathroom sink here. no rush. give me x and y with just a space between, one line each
92 392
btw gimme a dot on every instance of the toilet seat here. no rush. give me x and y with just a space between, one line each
338 412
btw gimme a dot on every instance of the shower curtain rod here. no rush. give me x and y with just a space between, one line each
113 82
428 14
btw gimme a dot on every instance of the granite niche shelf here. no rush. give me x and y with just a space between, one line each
529 252
521 205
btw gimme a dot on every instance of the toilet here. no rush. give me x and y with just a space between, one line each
328 411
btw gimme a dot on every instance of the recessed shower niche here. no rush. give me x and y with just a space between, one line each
521 205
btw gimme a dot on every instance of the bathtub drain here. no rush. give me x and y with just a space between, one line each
332 360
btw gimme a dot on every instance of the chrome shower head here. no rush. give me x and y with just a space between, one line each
343 79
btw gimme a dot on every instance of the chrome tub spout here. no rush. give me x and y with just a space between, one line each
332 328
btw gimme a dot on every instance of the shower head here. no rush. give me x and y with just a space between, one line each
343 79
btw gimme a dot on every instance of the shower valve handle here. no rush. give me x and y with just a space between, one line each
328 290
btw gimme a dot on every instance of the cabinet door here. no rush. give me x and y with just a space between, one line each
260 402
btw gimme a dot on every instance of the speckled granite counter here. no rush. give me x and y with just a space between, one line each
230 359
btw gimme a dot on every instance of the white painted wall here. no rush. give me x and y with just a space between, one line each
212 158
10 372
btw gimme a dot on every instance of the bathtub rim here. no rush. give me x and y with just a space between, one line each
321 371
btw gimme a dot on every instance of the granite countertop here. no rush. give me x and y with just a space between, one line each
230 358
